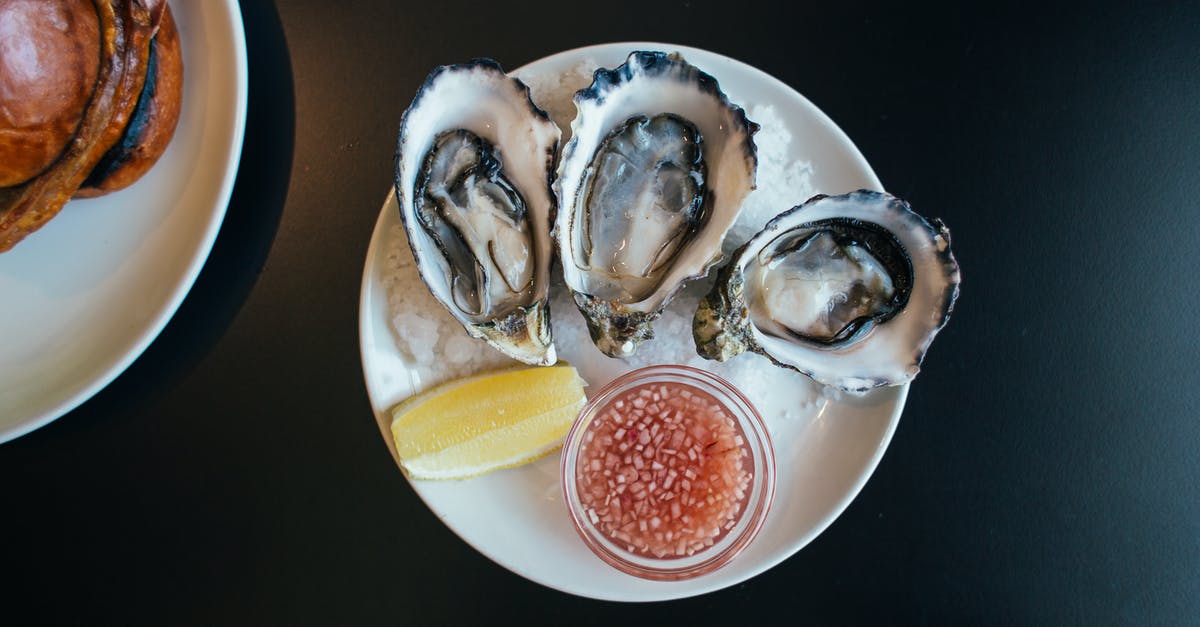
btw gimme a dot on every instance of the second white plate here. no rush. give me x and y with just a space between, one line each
87 293
825 453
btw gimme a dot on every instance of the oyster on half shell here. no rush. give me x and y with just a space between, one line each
473 170
849 290
655 172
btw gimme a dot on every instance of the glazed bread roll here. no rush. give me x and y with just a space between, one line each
90 94
49 56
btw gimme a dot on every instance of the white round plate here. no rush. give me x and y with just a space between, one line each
517 518
87 293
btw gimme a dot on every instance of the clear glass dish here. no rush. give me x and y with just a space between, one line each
634 479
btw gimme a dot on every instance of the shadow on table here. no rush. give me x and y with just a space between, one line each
245 238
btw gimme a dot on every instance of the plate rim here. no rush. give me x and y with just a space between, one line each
151 331
673 592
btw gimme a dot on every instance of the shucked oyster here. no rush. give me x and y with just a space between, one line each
473 172
850 290
655 172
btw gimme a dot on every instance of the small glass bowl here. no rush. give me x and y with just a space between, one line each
759 495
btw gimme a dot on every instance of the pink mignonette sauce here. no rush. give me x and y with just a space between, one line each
663 470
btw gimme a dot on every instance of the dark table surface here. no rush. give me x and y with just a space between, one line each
1045 470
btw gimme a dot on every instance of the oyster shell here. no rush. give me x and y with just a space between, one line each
473 170
849 290
655 172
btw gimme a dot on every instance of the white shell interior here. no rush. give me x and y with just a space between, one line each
496 107
730 173
889 353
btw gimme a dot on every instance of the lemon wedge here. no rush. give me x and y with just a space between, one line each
486 422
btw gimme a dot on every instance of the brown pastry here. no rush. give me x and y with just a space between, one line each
110 130
49 56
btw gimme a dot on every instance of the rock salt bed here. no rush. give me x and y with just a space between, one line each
782 182
554 93
757 378
440 349
436 345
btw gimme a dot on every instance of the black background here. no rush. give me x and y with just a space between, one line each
1045 470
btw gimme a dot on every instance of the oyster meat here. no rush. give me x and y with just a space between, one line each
473 171
654 175
849 290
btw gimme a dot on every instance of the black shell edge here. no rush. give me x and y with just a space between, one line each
944 255
657 63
